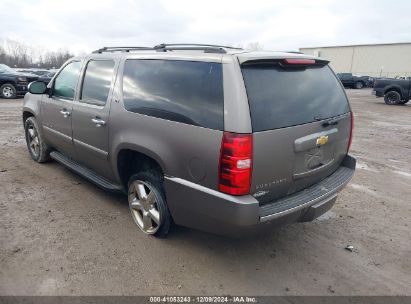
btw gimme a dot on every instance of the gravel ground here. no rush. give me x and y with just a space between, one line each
61 235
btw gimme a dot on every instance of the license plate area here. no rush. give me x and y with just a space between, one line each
314 152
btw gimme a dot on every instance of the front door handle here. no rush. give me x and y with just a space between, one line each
98 121
65 113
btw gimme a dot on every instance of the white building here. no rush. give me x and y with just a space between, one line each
389 60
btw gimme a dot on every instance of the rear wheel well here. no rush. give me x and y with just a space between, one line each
393 89
130 162
26 114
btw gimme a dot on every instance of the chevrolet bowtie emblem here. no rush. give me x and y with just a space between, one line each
322 140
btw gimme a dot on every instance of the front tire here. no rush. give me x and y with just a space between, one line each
8 91
392 98
38 149
148 204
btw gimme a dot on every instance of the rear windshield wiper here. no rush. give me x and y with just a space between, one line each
331 122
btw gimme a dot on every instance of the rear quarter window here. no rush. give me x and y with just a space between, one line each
183 91
282 97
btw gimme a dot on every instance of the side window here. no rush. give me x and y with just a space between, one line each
97 82
184 91
66 81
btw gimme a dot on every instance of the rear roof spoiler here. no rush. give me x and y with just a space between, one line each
287 62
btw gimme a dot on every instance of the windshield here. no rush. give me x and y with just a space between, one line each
5 68
283 97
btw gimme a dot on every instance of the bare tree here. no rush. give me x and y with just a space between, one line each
3 55
20 52
254 46
55 59
17 54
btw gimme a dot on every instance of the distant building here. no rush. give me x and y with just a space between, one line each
389 59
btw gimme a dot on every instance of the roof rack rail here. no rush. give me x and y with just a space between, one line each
122 49
207 48
195 44
163 47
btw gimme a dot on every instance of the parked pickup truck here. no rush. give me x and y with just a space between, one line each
394 91
13 83
357 82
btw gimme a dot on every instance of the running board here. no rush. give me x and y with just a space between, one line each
86 173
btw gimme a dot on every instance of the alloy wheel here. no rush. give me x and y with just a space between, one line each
143 206
33 139
392 98
7 92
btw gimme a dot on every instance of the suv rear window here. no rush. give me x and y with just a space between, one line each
283 97
183 91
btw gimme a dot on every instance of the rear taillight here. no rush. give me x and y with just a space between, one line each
235 163
351 131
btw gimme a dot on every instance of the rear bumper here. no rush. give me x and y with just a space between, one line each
195 206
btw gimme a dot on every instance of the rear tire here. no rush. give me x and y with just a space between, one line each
358 85
392 98
38 149
8 91
147 202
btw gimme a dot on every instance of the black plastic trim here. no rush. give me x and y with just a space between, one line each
321 191
86 173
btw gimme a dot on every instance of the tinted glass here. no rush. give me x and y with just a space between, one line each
184 91
281 98
66 81
97 82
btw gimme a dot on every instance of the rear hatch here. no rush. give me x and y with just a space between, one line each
301 124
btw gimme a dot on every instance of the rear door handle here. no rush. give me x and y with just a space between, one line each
98 121
65 113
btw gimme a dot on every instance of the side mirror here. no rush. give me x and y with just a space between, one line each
37 87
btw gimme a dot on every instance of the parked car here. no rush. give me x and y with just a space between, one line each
46 77
13 83
394 91
356 82
34 71
370 82
209 137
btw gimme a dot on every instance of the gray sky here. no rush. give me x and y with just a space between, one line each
81 25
